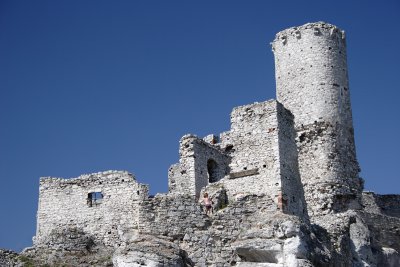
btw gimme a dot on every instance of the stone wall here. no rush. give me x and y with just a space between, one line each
388 205
311 73
9 258
263 153
252 144
291 186
330 182
200 163
64 204
384 238
223 238
257 156
312 82
171 215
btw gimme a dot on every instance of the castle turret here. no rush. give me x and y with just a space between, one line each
312 82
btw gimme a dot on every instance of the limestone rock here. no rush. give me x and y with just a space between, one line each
150 251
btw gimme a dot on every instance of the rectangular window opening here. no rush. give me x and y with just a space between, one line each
94 198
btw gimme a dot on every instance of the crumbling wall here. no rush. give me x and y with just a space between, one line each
388 205
385 238
9 258
261 144
330 182
222 238
170 215
200 163
253 146
240 219
110 220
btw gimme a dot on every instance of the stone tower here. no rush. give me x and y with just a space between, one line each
312 82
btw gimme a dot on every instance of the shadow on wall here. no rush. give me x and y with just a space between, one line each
291 198
214 171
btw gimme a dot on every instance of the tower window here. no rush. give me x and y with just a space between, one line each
212 169
94 198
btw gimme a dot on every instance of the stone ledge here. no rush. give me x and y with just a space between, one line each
234 175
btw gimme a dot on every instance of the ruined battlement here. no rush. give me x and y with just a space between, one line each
99 177
103 204
316 28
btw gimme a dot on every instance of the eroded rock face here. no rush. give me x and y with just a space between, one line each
391 257
288 248
361 244
71 247
150 251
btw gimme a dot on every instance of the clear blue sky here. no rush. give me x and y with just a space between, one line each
89 86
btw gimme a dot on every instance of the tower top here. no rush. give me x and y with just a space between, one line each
318 28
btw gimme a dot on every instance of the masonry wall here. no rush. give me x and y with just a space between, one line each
312 82
311 73
388 205
200 163
291 186
384 237
171 215
252 144
63 203
218 239
261 144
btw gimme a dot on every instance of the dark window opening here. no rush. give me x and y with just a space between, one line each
228 148
94 198
302 137
212 169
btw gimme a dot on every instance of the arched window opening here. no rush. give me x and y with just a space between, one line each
212 169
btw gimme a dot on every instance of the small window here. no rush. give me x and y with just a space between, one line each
212 169
94 198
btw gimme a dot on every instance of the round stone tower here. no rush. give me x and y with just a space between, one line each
312 82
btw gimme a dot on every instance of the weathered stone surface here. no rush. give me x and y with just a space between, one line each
150 251
245 173
9 258
111 219
312 82
284 182
391 257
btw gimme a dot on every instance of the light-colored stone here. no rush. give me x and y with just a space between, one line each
284 181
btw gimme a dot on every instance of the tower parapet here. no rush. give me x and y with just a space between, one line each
312 82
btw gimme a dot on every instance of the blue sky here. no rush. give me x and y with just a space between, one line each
89 86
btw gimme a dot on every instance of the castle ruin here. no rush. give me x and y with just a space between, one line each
284 181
